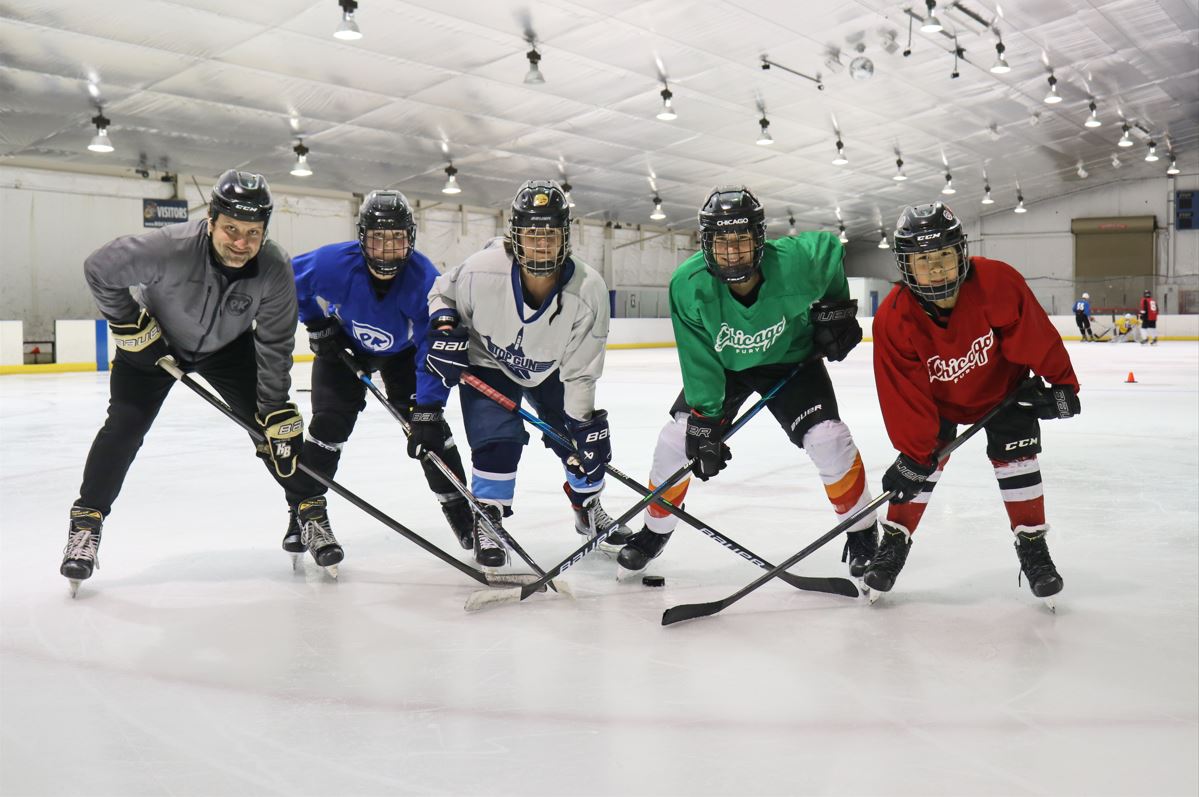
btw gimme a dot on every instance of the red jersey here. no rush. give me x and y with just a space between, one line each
925 372
1148 308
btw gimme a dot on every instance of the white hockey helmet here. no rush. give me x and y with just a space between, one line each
1086 295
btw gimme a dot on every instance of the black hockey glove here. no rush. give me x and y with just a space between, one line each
705 447
427 431
593 444
140 338
283 429
448 357
1048 402
835 328
906 478
326 338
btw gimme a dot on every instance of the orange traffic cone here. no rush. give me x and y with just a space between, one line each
1131 380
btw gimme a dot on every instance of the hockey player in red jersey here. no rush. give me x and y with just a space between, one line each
1148 313
952 340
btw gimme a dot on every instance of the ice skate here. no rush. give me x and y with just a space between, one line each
80 556
461 518
293 541
860 548
591 517
642 548
317 535
490 552
1037 566
892 553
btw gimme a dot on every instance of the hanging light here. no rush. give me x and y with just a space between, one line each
987 195
566 193
1125 139
301 169
1000 67
899 175
791 222
657 215
1052 98
348 29
1019 203
842 237
1173 169
667 113
1151 156
764 138
534 76
451 182
101 142
882 242
948 189
840 160
931 24
1116 160
1082 171
1093 119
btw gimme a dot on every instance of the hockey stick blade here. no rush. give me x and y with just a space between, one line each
831 585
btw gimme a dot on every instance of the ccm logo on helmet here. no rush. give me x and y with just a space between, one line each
727 222
930 237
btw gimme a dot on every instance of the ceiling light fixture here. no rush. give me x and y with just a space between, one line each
987 195
301 168
657 215
931 24
1082 171
1173 169
1093 119
958 52
534 77
1000 67
566 193
348 29
791 224
908 50
842 237
948 189
1019 203
451 182
1125 139
899 175
667 113
101 142
1116 160
764 139
840 160
1052 98
1151 156
882 242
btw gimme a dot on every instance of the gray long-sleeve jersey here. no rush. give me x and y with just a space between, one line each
507 334
197 308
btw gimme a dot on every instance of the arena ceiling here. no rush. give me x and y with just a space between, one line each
202 85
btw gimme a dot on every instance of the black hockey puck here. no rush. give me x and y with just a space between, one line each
653 581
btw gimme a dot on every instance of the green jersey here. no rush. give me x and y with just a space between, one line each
715 332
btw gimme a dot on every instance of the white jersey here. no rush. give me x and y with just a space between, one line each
530 343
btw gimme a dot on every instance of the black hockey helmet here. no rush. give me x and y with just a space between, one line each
732 209
922 229
1147 294
539 205
386 210
244 196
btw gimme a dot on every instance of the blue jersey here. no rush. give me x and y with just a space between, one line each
1083 306
334 281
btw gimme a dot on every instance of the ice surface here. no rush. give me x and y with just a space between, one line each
195 663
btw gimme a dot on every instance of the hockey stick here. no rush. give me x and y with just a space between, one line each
690 611
169 365
450 476
481 599
836 586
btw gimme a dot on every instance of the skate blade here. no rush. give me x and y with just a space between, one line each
625 575
874 595
295 562
74 586
1050 605
332 571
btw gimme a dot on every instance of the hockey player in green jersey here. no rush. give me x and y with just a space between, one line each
746 310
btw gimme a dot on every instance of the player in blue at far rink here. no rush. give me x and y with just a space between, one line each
369 298
531 322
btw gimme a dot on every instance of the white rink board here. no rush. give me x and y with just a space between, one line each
195 663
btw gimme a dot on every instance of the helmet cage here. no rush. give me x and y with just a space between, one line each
539 205
386 210
732 210
925 229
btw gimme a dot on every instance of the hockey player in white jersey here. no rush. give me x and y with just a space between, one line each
531 321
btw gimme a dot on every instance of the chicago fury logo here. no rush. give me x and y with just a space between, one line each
955 368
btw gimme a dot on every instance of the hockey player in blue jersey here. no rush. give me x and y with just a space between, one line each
370 297
1082 317
532 322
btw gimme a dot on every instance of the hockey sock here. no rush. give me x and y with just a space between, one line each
658 519
1022 491
908 515
493 473
832 450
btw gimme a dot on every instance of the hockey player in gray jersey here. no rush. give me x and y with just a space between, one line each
219 297
529 320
